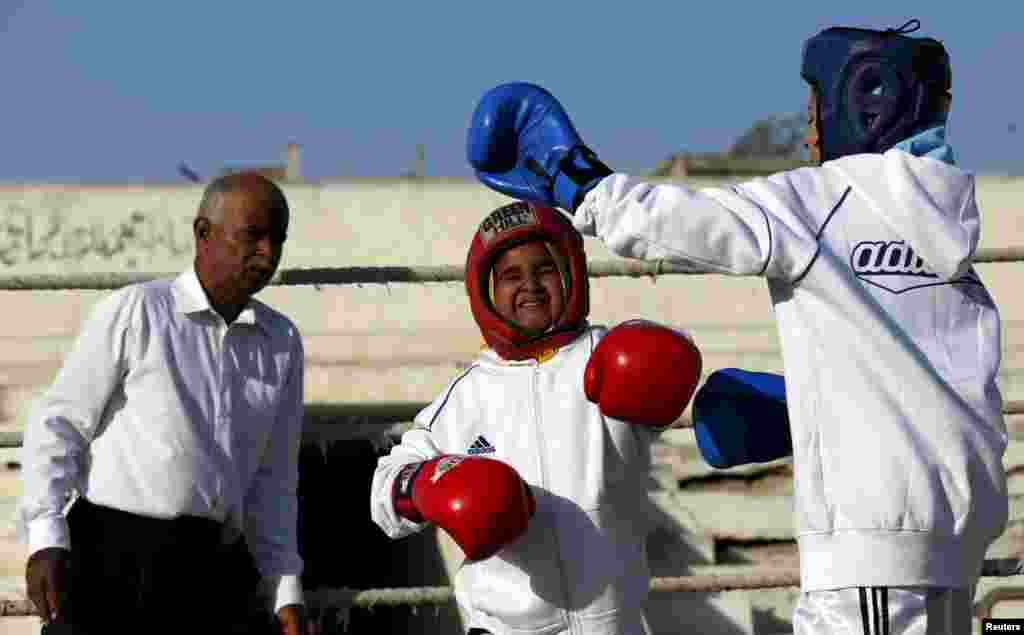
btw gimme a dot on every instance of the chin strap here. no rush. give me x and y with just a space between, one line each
545 355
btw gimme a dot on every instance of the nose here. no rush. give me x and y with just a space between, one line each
266 247
810 138
533 282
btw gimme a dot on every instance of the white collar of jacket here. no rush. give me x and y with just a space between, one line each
189 297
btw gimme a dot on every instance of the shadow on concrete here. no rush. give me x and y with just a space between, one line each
673 549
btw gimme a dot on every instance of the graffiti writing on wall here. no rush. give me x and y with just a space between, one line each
50 232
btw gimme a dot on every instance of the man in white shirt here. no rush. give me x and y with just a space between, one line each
176 419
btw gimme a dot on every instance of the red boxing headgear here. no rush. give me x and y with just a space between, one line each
507 227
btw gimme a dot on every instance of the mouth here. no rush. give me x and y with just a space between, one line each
532 303
259 273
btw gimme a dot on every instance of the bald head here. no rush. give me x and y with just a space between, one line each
257 189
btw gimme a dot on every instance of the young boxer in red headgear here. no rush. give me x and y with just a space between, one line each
535 459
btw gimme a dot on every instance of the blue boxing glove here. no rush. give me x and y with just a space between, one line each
740 417
521 143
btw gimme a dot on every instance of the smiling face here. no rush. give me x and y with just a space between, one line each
528 288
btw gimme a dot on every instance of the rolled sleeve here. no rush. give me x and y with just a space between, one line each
285 590
48 530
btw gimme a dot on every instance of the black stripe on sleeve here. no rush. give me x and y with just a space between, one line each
875 608
771 242
447 395
768 226
864 619
817 236
885 610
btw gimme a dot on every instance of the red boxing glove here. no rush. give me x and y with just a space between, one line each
643 373
482 503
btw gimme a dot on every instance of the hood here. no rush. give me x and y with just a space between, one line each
928 202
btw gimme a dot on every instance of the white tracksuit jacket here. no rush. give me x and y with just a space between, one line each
581 567
890 343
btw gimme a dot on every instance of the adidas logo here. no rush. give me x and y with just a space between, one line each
894 258
893 266
480 446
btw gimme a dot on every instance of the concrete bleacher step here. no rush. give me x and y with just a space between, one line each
727 613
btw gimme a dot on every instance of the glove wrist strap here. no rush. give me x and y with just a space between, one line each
401 492
579 172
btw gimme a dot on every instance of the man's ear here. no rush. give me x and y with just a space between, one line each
201 228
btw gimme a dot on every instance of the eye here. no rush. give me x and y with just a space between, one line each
512 274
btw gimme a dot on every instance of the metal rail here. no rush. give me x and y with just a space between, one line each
750 579
317 276
347 422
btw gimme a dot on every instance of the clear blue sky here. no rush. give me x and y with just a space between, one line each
124 91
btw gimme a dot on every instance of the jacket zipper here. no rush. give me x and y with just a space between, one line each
539 434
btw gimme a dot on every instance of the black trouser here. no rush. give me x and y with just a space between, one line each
145 575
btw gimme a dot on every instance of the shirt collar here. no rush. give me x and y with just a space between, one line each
189 297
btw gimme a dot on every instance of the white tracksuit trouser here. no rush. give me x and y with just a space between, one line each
885 611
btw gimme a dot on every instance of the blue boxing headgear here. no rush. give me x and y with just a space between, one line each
875 88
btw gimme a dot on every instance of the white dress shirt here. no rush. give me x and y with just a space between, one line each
162 409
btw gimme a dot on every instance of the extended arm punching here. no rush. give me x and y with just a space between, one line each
521 143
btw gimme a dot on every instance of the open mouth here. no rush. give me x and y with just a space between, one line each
533 303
